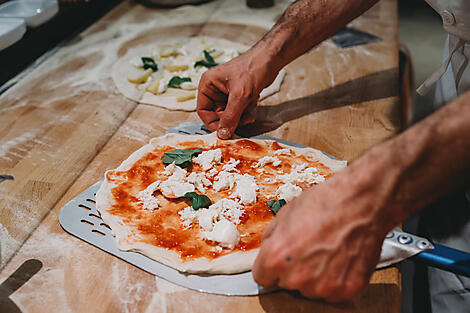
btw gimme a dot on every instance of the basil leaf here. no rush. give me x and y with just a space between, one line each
149 63
176 81
208 57
182 158
276 205
198 201
207 62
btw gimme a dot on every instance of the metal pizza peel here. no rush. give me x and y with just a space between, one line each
80 218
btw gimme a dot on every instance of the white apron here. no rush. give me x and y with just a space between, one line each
448 223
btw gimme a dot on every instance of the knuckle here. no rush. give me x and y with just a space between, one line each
242 93
274 259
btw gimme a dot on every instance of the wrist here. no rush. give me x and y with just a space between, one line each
381 176
262 66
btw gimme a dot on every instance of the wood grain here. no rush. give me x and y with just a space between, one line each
83 276
62 115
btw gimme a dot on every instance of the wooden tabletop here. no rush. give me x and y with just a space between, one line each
65 123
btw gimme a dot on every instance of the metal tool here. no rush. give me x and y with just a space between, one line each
80 218
349 37
6 177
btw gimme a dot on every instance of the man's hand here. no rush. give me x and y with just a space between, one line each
325 243
228 93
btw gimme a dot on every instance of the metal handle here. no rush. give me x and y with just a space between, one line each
446 258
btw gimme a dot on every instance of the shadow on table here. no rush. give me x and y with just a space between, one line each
27 270
374 86
380 298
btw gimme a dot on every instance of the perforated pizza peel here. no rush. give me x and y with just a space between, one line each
80 218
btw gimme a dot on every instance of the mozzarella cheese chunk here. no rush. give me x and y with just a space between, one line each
172 169
224 233
217 222
285 151
245 189
188 86
302 175
175 188
149 202
208 159
229 209
211 173
225 180
288 192
176 185
207 217
188 216
137 62
267 160
231 166
199 181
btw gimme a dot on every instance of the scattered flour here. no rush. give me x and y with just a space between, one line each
8 245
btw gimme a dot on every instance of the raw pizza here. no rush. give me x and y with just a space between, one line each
167 74
199 204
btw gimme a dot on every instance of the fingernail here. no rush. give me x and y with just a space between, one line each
224 133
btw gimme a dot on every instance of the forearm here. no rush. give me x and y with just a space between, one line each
305 24
421 164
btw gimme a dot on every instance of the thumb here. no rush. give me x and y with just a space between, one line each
230 117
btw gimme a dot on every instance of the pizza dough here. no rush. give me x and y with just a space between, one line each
129 239
176 53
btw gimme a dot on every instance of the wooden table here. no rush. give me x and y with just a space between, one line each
65 123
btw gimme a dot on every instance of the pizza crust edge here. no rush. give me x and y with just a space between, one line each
235 262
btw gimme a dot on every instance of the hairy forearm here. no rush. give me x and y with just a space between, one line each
305 24
420 165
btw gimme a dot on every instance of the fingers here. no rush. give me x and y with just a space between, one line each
268 230
211 99
248 116
267 267
238 101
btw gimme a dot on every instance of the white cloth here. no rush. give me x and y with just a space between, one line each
456 21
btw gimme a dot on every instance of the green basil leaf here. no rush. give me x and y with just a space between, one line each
207 62
208 57
176 81
198 201
276 205
182 158
149 63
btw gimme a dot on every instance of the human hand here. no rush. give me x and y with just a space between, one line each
325 243
228 93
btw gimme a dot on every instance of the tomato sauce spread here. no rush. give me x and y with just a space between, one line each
163 228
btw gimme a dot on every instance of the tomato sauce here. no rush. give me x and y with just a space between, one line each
163 228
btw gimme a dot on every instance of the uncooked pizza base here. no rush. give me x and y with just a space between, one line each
123 69
234 262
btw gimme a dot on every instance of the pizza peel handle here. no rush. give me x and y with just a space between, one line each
445 258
